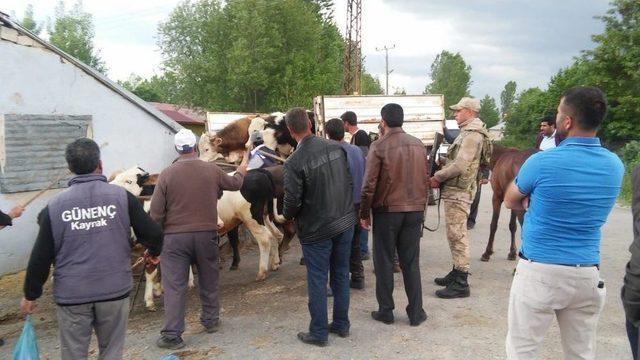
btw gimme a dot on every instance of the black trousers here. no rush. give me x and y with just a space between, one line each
473 213
399 232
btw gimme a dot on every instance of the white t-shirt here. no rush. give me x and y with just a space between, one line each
548 142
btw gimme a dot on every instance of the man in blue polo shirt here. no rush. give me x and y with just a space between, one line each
568 192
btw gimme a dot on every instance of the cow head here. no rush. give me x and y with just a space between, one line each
207 148
129 179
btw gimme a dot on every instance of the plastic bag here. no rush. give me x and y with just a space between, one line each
27 346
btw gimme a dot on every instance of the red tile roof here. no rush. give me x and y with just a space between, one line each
182 115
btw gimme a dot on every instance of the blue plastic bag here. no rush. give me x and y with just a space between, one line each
27 346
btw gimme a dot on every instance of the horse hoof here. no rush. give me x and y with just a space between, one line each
233 267
511 257
485 258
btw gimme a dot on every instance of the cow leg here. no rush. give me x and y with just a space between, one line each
191 284
149 287
276 240
512 228
289 230
497 204
263 238
234 241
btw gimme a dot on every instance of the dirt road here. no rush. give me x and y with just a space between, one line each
260 320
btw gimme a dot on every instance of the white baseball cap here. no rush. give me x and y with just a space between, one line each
184 137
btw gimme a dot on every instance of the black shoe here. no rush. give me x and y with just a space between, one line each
341 333
470 225
357 284
423 316
1 342
170 343
365 256
302 261
458 288
378 316
308 339
446 280
214 327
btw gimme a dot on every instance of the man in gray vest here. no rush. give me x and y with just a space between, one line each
85 232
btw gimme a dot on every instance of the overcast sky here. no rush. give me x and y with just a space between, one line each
522 40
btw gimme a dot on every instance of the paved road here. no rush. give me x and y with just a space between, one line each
260 320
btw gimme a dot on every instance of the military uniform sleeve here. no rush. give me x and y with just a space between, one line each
371 173
41 258
469 147
147 231
293 187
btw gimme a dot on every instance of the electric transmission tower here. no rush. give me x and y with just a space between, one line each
352 62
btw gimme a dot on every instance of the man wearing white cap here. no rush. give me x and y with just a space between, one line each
458 176
185 204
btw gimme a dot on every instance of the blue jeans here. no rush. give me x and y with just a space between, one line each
632 334
323 257
364 241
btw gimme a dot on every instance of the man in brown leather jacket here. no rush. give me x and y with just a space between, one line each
395 190
460 179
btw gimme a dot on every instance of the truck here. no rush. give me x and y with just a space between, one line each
424 115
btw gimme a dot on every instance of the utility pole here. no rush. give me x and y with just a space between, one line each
386 66
352 62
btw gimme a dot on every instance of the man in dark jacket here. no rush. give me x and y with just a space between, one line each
85 232
317 193
7 219
335 131
631 288
395 189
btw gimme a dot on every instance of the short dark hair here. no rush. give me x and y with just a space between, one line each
83 156
393 115
549 119
335 129
587 105
297 119
349 117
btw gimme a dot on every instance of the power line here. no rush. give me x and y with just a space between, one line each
386 65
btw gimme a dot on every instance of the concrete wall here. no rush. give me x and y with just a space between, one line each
37 81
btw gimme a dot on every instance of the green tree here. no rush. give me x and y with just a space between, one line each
370 85
450 76
489 111
615 67
522 122
507 97
154 89
237 58
29 22
73 33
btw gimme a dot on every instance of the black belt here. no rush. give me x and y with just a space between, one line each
571 265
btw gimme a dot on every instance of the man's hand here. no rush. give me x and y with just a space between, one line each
27 306
242 169
434 183
525 203
16 212
365 224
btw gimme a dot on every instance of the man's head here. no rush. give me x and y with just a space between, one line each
392 115
581 111
298 123
83 157
548 125
185 141
350 120
467 108
335 129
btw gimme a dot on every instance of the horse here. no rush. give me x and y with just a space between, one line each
505 164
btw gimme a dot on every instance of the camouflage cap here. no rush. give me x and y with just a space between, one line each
467 103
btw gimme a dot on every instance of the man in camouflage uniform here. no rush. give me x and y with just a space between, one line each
459 180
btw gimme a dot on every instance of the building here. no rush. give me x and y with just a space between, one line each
192 119
48 99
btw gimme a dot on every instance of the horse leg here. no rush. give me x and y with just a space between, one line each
512 228
497 204
234 242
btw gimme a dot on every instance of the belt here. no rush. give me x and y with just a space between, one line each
571 265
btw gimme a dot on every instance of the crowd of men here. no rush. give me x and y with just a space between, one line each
381 186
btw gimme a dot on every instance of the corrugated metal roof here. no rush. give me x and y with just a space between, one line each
182 115
5 21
